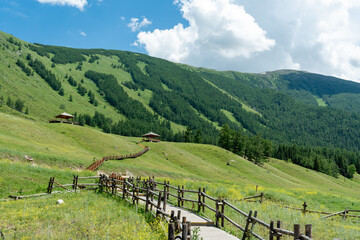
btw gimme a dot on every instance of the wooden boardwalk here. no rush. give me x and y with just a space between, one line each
207 229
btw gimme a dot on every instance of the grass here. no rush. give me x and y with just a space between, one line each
63 150
83 215
43 102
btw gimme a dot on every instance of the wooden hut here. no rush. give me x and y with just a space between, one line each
63 118
151 137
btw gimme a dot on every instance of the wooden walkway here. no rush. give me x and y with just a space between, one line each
207 229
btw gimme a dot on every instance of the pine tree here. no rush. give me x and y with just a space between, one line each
61 92
188 134
198 136
9 102
19 105
225 137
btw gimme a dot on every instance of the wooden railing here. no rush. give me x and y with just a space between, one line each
95 165
135 190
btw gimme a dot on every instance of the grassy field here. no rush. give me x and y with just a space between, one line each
84 215
63 150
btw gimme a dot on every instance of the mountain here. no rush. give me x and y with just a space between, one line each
130 93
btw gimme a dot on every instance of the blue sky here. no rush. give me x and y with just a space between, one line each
104 23
244 35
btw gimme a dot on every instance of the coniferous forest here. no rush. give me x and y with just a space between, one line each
254 115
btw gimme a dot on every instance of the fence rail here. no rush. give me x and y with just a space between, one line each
95 165
156 195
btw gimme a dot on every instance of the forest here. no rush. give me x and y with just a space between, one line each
277 124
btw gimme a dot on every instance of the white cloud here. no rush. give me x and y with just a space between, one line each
218 29
135 25
83 34
312 35
80 4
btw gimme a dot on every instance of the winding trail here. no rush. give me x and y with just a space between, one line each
208 231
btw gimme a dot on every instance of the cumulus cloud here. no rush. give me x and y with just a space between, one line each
255 36
217 29
83 34
135 25
80 4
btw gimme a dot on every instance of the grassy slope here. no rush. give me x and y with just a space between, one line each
74 147
62 150
44 103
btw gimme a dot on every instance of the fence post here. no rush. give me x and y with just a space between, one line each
133 193
246 231
158 204
199 200
147 199
345 213
253 222
184 229
113 186
297 232
101 182
76 182
172 215
165 195
124 189
152 200
179 196
203 201
278 225
189 229
168 190
171 230
217 213
73 187
182 195
271 232
304 207
50 186
222 212
261 197
308 230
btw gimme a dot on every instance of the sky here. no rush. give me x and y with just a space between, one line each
321 36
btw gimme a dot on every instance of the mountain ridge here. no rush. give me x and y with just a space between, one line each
177 96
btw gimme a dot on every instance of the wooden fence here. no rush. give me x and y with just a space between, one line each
304 210
147 190
100 162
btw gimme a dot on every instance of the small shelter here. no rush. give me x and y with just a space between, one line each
151 137
63 118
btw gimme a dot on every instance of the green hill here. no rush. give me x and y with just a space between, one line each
139 93
62 150
130 94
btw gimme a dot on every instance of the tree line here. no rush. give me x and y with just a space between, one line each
331 161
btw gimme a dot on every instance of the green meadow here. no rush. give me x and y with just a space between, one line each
62 150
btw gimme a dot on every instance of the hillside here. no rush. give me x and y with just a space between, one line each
63 150
130 94
73 148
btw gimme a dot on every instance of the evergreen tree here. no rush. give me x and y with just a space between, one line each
9 102
19 105
198 136
188 134
61 92
225 137
70 98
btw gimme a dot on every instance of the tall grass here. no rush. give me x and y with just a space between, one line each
82 216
